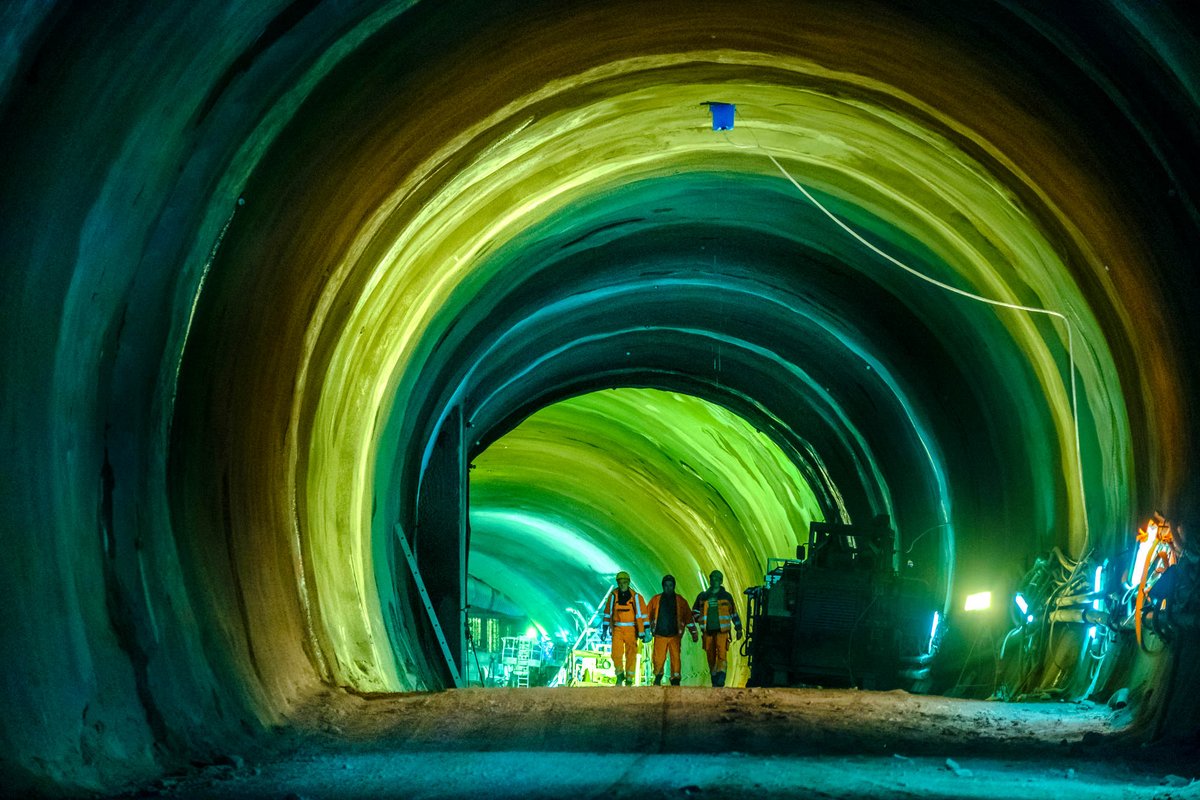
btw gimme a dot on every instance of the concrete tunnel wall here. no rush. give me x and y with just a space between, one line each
252 254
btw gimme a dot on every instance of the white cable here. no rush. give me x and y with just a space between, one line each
971 296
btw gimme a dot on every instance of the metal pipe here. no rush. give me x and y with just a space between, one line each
1079 599
1085 615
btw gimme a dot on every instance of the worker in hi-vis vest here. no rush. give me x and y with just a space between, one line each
715 613
625 617
669 616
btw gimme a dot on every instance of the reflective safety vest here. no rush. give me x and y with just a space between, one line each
726 612
626 615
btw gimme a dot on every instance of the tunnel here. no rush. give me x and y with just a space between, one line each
332 325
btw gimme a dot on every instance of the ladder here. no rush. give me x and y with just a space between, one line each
524 656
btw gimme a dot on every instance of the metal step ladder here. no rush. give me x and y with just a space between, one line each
524 656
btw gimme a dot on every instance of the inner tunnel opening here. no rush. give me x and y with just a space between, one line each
641 480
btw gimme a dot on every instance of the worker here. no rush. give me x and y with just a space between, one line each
668 616
625 617
715 613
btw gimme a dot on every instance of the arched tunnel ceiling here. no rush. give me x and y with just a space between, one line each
257 262
672 186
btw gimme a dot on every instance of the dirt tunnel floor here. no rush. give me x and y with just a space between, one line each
695 742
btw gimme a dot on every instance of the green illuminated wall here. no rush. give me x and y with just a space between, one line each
601 207
639 480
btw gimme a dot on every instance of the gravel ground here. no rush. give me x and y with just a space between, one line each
693 742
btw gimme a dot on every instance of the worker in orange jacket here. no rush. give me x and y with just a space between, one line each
715 613
668 615
625 617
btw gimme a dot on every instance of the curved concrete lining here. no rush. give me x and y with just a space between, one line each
253 256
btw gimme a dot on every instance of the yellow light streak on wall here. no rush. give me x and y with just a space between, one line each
591 134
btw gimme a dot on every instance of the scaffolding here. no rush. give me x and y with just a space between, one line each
588 661
519 655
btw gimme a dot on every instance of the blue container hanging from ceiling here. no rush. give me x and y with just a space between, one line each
722 115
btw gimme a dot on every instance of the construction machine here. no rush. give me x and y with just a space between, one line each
841 615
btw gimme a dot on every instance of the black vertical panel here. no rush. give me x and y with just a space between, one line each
441 540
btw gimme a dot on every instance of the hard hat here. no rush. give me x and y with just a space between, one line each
622 575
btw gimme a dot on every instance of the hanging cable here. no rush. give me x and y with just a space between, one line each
962 292
978 298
